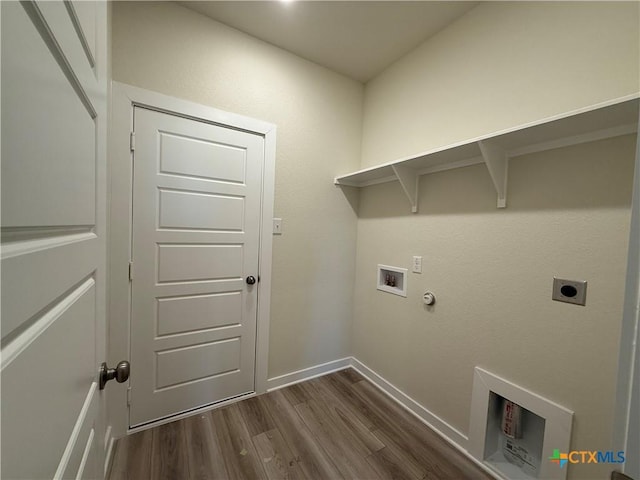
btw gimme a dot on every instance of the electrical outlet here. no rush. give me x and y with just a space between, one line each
417 264
569 291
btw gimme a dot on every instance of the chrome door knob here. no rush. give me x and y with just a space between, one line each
120 373
251 280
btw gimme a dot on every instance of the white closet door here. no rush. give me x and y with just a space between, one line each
196 214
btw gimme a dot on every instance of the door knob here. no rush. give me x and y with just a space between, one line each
120 373
251 280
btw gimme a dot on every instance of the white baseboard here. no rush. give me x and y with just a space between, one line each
307 373
109 443
433 421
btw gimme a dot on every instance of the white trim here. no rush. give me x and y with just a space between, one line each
85 454
184 108
627 410
26 247
305 374
75 433
33 332
119 246
437 424
265 262
123 100
109 443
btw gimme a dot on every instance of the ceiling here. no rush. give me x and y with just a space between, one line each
356 38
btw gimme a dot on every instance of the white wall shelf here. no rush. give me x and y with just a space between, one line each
605 120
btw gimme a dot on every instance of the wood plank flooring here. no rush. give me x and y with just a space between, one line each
332 427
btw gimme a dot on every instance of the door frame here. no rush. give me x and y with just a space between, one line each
124 98
627 406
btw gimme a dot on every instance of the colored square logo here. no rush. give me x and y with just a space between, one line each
559 458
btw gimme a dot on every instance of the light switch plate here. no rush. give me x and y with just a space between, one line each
277 226
416 266
569 291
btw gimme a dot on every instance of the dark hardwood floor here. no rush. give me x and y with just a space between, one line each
336 426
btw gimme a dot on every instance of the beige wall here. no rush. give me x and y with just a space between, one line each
501 65
491 271
169 49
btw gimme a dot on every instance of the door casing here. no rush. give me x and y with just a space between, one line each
123 100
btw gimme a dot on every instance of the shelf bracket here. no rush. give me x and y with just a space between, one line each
497 162
409 181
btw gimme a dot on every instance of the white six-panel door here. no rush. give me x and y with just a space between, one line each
53 230
197 190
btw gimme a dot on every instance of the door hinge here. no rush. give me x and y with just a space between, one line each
128 396
132 141
130 271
